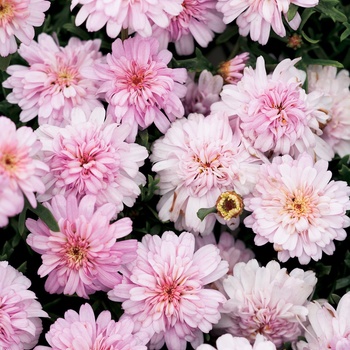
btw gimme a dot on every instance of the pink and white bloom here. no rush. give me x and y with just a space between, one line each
91 157
328 328
17 20
256 17
232 70
84 256
196 160
54 83
267 301
164 292
19 310
139 86
297 207
78 331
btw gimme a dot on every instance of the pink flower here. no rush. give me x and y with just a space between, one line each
139 87
83 257
197 160
54 82
232 70
91 157
19 311
198 21
164 289
80 331
267 301
297 208
17 20
257 17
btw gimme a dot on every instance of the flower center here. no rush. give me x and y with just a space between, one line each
6 10
65 77
298 206
229 205
76 256
8 162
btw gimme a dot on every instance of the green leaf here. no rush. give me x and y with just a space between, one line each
70 27
226 35
203 212
346 32
147 192
45 215
305 17
322 62
334 298
342 283
307 38
23 267
292 11
344 173
197 64
328 8
4 62
21 221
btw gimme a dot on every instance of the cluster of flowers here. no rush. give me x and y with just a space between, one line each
244 138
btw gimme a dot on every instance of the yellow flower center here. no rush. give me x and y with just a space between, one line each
298 206
8 162
229 205
6 10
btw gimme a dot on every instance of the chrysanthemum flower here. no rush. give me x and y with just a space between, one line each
197 160
17 20
267 301
138 85
54 82
232 70
80 331
91 157
328 328
19 311
164 289
256 17
83 257
297 208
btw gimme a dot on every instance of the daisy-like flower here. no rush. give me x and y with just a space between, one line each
138 85
164 289
83 257
91 157
336 132
17 20
256 17
274 113
54 82
134 16
78 331
267 301
198 21
19 311
297 208
232 70
328 328
197 160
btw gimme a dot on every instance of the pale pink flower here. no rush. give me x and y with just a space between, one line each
274 113
134 16
164 289
19 311
336 131
297 208
138 85
91 157
197 160
232 70
198 21
328 328
83 257
17 20
256 17
54 82
82 331
267 301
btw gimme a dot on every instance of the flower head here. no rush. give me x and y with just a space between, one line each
232 70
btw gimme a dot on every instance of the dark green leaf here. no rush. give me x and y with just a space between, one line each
203 212
197 64
23 267
342 283
334 298
292 11
70 27
45 215
346 32
4 62
226 35
305 16
322 62
329 9
344 173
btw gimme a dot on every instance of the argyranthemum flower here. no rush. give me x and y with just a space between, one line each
232 70
256 17
327 328
297 208
138 85
197 160
17 20
54 83
84 256
163 290
19 311
267 301
91 157
274 113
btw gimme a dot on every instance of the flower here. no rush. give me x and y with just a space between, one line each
196 160
91 157
55 81
232 70
229 205
297 208
83 331
328 328
257 17
267 301
17 20
83 256
138 84
19 311
164 289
